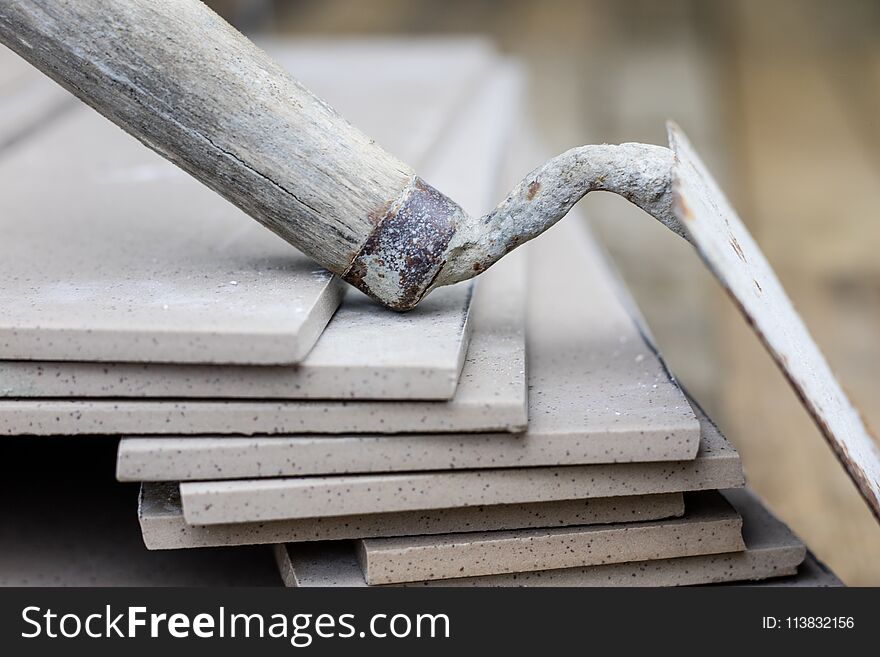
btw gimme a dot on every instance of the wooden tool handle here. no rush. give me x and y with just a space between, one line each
185 83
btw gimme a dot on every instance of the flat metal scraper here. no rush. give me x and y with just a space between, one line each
732 255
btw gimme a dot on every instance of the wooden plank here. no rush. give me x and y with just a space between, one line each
251 500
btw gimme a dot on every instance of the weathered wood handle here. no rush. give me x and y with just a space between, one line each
185 83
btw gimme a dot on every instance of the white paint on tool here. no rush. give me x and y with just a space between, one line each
735 259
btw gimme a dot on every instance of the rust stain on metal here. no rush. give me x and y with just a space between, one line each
404 253
534 187
685 211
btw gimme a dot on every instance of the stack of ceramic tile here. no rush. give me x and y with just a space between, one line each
517 430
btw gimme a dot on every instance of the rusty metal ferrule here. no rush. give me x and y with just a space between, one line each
403 255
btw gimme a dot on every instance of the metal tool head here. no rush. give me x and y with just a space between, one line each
730 253
674 187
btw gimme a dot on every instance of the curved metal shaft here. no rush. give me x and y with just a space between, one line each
641 173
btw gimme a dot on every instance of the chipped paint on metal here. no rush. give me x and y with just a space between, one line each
401 258
735 259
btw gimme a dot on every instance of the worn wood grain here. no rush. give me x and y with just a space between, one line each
185 83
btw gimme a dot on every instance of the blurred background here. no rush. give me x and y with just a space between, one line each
782 98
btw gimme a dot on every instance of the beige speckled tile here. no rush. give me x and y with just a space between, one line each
146 265
164 527
771 551
609 381
811 573
228 457
365 352
581 410
436 75
491 395
709 526
150 266
252 500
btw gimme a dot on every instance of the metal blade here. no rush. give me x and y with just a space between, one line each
735 259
